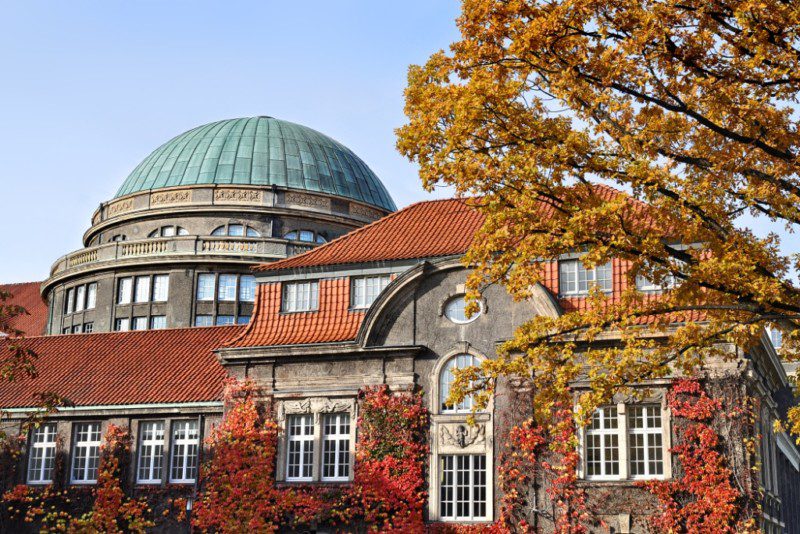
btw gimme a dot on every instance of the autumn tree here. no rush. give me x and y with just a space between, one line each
686 109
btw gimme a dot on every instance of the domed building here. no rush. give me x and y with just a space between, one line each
174 247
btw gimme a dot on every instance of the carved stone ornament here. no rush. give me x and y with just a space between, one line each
120 207
169 197
363 211
238 196
462 435
316 406
308 200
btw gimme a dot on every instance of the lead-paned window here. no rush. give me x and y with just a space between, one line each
300 296
602 444
80 298
91 296
205 286
42 454
226 287
160 288
151 452
446 379
365 290
224 320
185 448
203 320
299 447
158 322
124 290
462 487
645 441
574 278
69 305
85 453
142 290
336 447
247 288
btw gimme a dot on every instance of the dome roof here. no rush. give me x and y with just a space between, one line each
260 151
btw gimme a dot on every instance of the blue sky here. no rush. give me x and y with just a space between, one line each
90 88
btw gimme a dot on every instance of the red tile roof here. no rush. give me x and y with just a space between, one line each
28 296
333 321
157 366
424 230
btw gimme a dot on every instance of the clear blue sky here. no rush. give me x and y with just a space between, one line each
88 89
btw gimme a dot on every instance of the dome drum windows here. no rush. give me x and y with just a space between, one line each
306 236
235 230
168 231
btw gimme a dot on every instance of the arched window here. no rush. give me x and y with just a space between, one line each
236 230
446 379
455 309
307 236
168 231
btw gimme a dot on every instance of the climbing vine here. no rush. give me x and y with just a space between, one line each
705 497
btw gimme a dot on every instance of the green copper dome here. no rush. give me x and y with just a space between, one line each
259 151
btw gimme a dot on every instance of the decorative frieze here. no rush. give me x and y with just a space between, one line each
166 198
316 406
364 211
120 207
238 196
311 201
462 435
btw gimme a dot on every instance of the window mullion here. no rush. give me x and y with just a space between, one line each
622 425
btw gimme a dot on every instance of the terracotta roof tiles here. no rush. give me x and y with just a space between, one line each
28 296
157 366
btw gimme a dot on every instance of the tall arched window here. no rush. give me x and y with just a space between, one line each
446 379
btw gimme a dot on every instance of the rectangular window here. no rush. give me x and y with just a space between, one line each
307 235
235 230
139 323
300 296
224 320
602 444
365 290
157 322
575 279
151 452
205 286
142 292
243 319
160 288
645 445
203 320
247 288
77 329
226 290
91 296
69 301
80 298
122 325
462 492
86 453
88 328
66 330
336 446
124 288
185 448
300 447
42 454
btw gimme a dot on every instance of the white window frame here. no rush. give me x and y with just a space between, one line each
91 296
226 292
225 320
160 291
603 415
459 315
69 305
649 434
298 438
250 283
623 441
364 290
151 452
446 379
141 289
181 450
300 296
471 486
576 269
122 324
80 298
87 449
42 447
139 323
207 319
161 319
335 447
125 290
208 292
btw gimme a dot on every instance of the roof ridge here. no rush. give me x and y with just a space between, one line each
357 231
21 283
